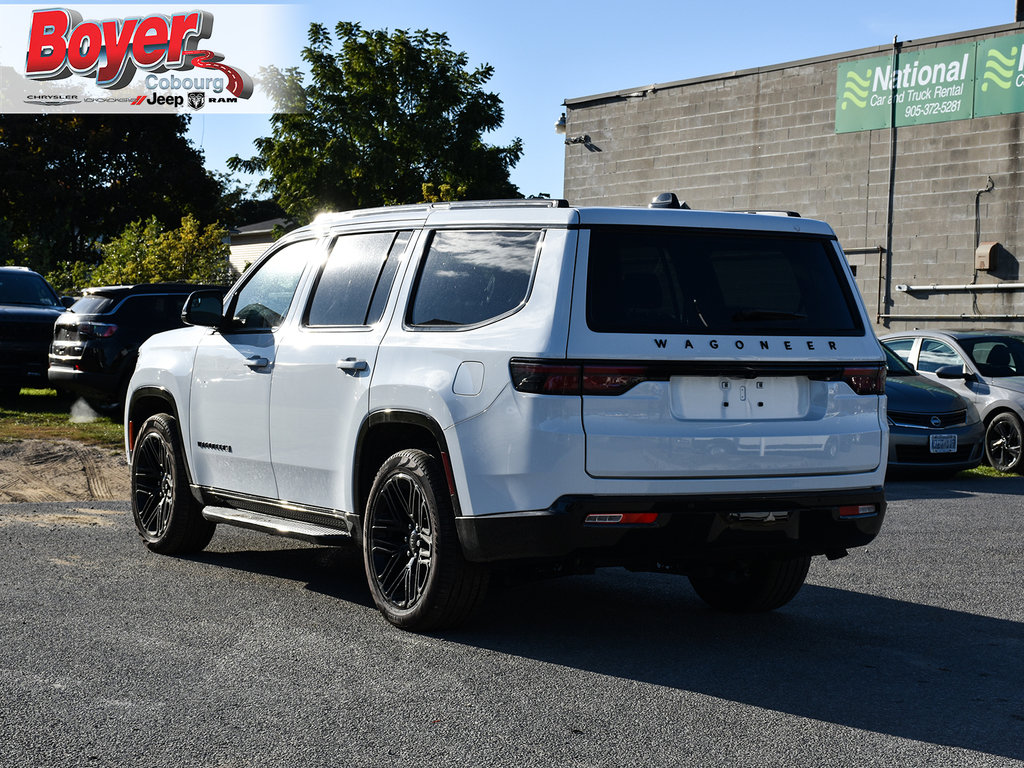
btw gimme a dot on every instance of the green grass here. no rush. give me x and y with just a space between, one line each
42 414
986 471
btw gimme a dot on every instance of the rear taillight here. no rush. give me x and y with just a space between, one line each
96 330
612 380
545 378
866 380
541 378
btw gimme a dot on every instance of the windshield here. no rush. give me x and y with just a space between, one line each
26 289
895 365
996 356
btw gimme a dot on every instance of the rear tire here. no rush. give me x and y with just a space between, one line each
1004 443
167 516
414 564
753 587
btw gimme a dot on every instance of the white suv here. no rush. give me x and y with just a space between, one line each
464 387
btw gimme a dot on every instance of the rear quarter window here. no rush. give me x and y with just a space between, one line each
688 281
472 277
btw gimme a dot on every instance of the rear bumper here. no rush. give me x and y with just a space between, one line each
100 386
688 529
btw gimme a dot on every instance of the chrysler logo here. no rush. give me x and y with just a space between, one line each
936 421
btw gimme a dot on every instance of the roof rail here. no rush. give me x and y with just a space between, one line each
528 202
768 212
424 208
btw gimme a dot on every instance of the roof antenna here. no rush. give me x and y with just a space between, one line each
667 200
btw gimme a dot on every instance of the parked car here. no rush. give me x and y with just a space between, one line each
28 309
931 428
460 388
95 343
987 368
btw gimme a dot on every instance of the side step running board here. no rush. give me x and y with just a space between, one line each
277 526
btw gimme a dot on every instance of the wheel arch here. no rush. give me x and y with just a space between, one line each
1002 407
146 402
387 432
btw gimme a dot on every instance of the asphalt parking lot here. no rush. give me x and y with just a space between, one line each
268 652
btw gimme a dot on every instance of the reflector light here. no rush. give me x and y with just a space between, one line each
863 510
624 518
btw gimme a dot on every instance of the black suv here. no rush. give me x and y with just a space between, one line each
96 342
28 308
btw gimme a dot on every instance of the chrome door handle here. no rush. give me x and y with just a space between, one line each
256 362
351 365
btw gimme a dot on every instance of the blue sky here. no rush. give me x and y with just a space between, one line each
544 52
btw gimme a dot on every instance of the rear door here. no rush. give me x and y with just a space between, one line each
320 393
722 354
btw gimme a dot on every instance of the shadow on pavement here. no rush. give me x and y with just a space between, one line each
857 660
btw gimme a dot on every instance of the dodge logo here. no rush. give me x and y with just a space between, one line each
196 99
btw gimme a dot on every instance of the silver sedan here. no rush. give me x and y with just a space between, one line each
987 368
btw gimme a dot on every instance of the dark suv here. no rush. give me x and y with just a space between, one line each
28 308
96 342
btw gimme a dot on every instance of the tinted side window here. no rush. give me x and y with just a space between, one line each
901 347
357 269
937 354
264 299
471 277
685 281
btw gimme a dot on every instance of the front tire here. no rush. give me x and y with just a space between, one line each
753 587
1003 443
167 516
414 564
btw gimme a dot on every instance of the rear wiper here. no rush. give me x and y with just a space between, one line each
766 314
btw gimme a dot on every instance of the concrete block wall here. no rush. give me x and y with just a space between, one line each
765 139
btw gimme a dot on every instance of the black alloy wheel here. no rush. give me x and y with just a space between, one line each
414 564
1004 443
167 516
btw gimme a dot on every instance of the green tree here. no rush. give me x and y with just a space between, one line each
146 252
70 182
384 115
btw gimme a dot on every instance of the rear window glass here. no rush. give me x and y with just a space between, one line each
357 270
685 281
92 305
469 278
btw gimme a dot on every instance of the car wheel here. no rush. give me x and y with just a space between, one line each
166 514
1003 443
414 564
753 587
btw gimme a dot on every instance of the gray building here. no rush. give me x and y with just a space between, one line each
929 212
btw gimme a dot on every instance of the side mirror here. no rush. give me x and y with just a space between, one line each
67 301
203 308
955 372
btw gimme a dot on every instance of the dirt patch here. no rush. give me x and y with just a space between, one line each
61 470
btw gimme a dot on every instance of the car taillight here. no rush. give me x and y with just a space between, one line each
542 378
96 330
545 378
611 380
867 380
